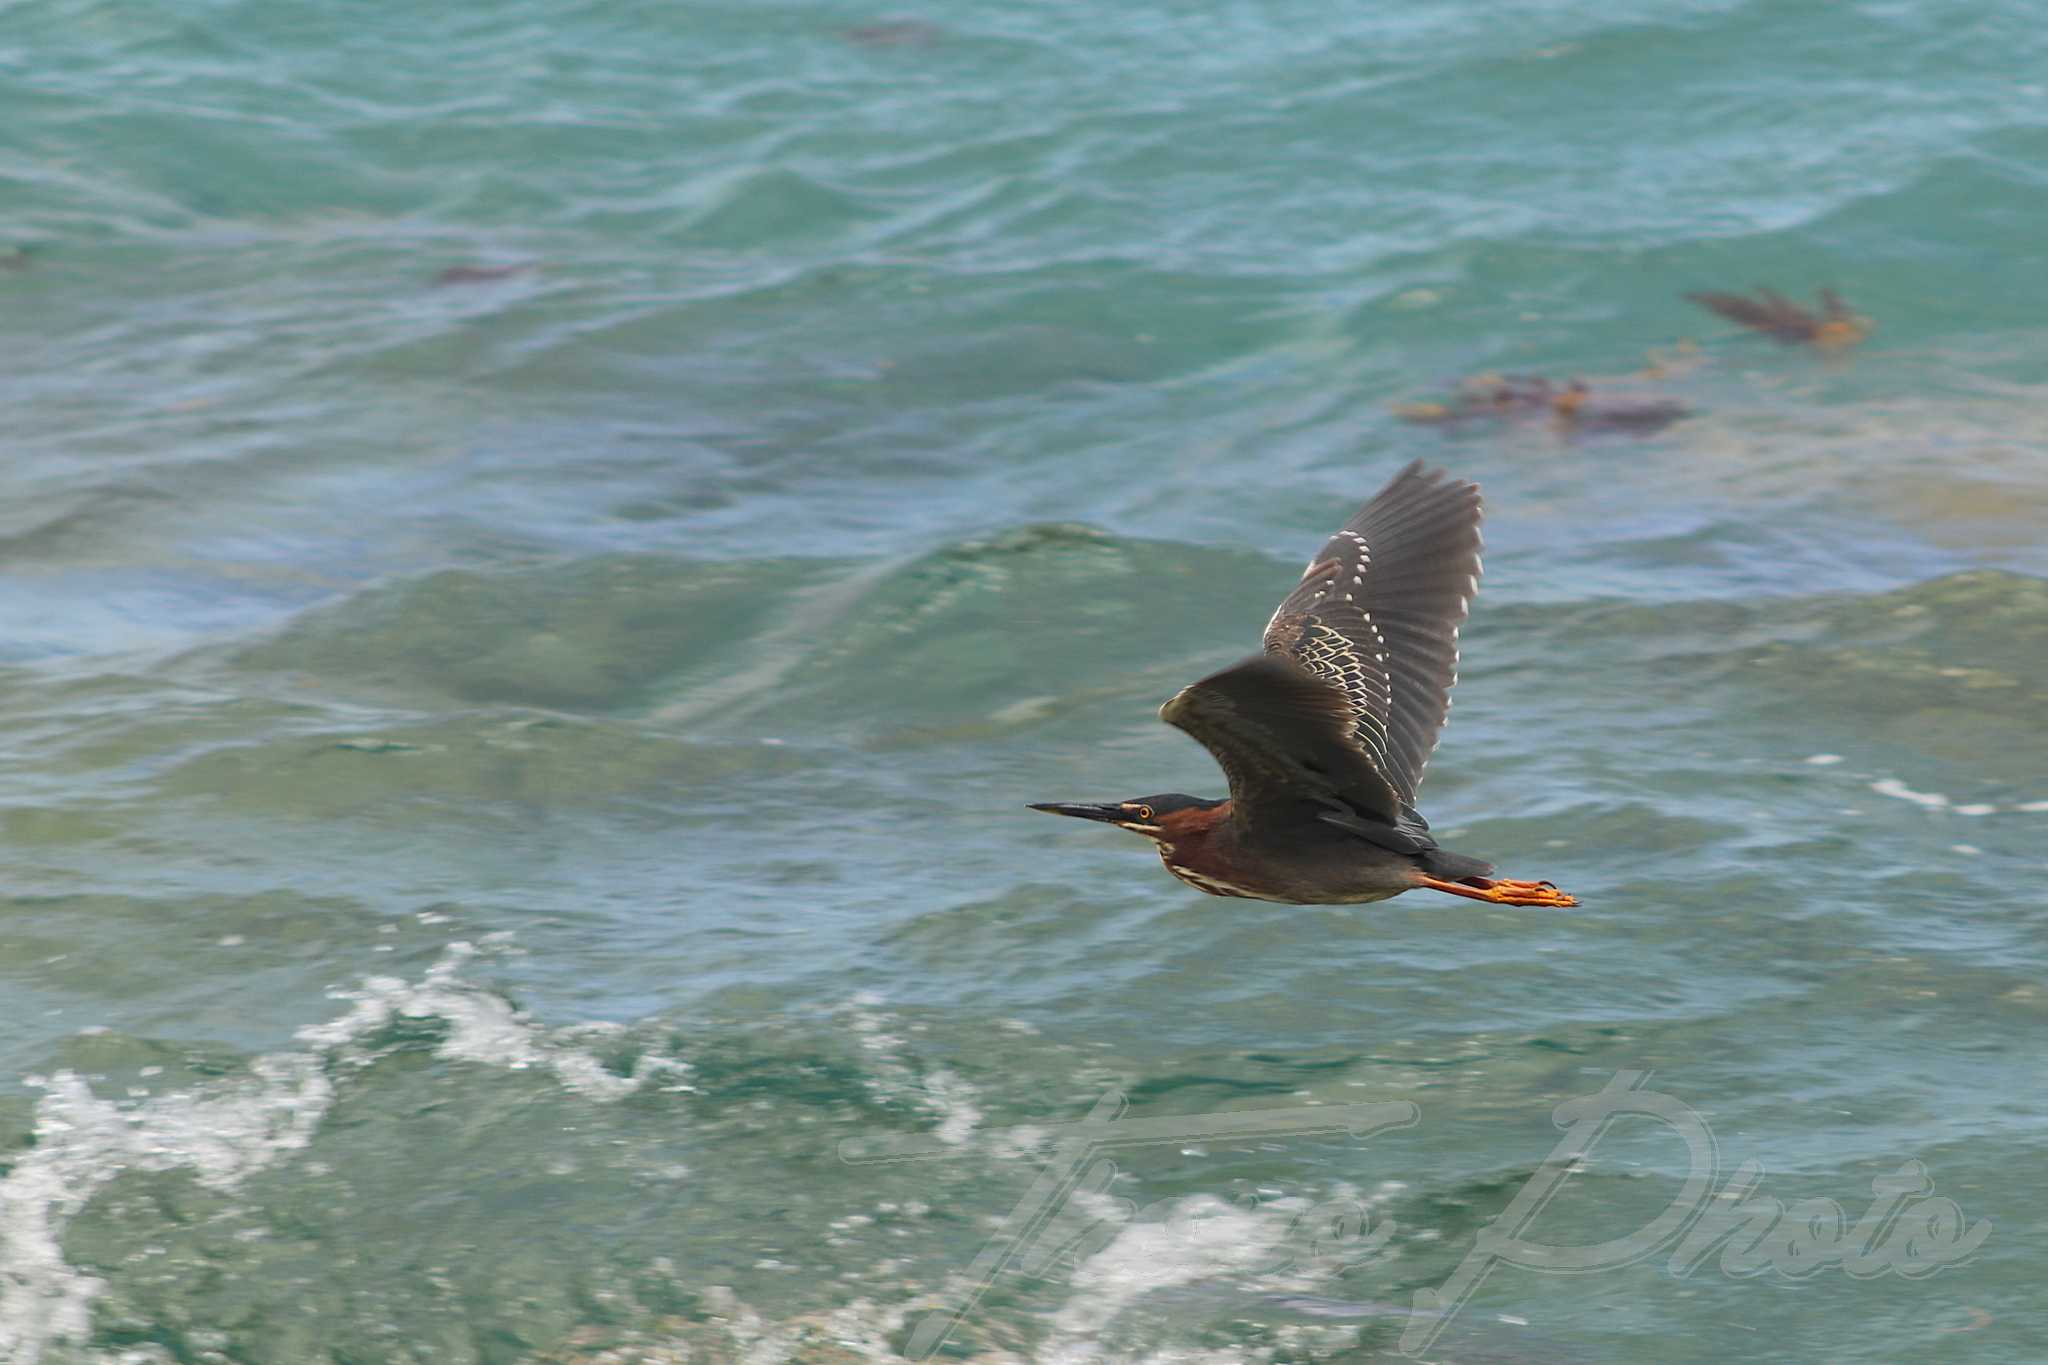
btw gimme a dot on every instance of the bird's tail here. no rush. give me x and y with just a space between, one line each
1454 867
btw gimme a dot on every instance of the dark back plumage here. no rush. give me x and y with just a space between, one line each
1346 703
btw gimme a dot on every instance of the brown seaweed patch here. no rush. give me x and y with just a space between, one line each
1573 407
483 274
894 33
1832 328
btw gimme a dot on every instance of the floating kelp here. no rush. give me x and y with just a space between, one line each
1573 405
481 274
1833 328
894 33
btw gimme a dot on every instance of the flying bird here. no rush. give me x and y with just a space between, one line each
1325 734
1833 328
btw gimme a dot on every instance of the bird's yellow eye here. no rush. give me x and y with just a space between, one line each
1143 812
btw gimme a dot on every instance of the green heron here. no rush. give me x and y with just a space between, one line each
1834 328
1324 736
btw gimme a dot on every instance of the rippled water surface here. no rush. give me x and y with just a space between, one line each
506 772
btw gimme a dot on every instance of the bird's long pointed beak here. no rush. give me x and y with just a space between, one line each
1111 815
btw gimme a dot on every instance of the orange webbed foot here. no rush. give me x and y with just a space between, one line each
1529 893
1500 891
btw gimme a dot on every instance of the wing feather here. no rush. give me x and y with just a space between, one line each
1376 617
1283 738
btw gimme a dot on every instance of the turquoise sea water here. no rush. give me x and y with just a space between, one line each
503 779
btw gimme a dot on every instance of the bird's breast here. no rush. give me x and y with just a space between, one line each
1202 881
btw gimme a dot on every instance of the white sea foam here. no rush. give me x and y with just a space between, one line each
1209 1239
954 1100
225 1131
1899 791
83 1141
939 1092
481 1027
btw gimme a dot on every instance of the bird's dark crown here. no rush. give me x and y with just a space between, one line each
1151 816
1166 803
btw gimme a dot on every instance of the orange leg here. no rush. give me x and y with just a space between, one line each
1501 892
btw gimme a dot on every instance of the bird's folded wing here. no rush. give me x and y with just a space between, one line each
1376 616
1283 738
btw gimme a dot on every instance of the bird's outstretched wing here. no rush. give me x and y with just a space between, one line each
1376 617
1283 738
